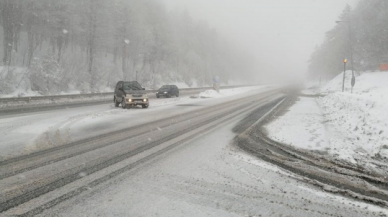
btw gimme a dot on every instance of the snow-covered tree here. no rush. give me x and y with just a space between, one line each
97 42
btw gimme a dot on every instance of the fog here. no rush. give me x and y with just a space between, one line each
87 46
281 34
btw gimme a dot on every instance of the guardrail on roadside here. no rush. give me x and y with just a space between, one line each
88 95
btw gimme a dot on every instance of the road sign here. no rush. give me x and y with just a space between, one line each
216 79
384 67
343 78
353 81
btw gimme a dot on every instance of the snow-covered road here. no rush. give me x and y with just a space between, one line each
22 134
210 177
174 159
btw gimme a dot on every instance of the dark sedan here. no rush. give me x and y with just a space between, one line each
168 91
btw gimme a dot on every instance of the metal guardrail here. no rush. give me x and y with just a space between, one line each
89 95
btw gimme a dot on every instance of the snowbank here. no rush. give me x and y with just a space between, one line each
301 127
348 126
359 120
209 94
335 85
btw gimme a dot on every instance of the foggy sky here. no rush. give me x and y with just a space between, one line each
280 33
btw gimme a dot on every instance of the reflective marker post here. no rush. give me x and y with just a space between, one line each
216 80
343 80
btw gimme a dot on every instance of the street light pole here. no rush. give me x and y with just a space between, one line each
350 42
351 51
351 47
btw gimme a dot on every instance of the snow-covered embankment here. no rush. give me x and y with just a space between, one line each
348 126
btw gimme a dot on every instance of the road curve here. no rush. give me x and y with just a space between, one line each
320 170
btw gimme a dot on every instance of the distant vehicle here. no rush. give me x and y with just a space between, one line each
168 91
130 93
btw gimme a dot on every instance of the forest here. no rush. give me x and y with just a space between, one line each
361 36
51 46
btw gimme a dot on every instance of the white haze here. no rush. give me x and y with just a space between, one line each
280 33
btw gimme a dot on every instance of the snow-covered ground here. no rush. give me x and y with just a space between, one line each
349 126
301 126
25 133
360 120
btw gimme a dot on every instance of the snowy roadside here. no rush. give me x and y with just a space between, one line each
348 127
302 126
311 89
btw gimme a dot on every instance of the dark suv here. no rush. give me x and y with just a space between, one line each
130 93
168 91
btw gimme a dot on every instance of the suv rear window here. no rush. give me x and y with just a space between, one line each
132 85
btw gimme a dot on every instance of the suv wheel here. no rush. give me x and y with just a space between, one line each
145 106
116 103
177 95
124 104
